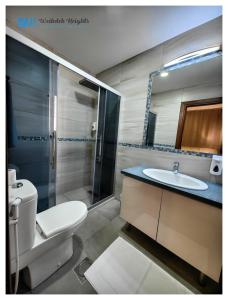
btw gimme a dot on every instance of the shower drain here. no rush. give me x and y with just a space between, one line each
81 268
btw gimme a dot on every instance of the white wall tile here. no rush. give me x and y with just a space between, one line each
77 109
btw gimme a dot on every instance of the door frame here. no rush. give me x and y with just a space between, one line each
53 104
182 115
99 145
96 143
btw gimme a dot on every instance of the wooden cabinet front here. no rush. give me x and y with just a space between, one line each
193 231
140 205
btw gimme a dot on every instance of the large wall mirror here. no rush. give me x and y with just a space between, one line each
185 111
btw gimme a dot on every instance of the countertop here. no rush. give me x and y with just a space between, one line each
212 196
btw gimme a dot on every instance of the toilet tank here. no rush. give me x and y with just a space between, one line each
27 192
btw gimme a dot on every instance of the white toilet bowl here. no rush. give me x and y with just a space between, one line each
45 239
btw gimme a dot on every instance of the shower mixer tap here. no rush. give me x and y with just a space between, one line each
94 126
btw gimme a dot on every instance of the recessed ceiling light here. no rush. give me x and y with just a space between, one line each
164 74
191 55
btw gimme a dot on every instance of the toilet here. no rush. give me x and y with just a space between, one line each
44 239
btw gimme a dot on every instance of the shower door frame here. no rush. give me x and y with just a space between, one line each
95 147
53 102
93 205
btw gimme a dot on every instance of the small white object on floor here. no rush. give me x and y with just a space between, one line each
123 269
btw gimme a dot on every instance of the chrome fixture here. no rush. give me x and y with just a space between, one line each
192 55
176 167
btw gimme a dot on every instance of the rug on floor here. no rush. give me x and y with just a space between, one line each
123 269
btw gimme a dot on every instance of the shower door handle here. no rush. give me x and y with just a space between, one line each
54 137
53 150
99 149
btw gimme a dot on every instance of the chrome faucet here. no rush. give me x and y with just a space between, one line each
176 167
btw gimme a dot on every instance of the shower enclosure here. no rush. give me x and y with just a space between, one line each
61 129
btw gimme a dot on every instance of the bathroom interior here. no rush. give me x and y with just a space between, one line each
114 164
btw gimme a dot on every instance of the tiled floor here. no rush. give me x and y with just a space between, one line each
82 194
102 226
97 232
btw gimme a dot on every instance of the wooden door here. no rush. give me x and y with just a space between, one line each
203 129
200 126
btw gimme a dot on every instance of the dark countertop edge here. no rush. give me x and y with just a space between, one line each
173 189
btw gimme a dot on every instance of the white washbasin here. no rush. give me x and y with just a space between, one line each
178 179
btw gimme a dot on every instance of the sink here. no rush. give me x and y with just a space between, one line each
177 179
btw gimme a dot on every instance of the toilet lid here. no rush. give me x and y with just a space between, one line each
61 217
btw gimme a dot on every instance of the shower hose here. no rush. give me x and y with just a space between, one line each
14 215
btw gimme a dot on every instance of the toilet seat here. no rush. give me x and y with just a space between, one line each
61 217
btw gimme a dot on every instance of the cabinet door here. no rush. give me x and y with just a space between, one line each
140 205
193 231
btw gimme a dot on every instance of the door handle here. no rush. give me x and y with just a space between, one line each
54 137
53 150
100 146
98 158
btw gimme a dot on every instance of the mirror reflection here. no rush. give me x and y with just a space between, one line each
186 108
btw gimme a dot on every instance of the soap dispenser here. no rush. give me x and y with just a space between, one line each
216 165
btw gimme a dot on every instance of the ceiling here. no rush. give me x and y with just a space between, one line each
114 33
209 71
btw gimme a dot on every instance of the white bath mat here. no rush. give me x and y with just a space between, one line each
123 269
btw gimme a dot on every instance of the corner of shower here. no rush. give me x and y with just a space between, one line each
87 128
63 129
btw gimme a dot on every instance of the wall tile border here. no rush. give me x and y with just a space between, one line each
164 148
158 147
63 139
26 138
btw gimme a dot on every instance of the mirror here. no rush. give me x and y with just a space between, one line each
186 107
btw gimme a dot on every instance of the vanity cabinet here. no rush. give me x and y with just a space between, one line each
140 205
193 231
189 228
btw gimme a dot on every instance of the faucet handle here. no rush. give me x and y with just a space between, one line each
176 167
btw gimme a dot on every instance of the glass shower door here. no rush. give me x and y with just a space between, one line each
106 144
30 99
